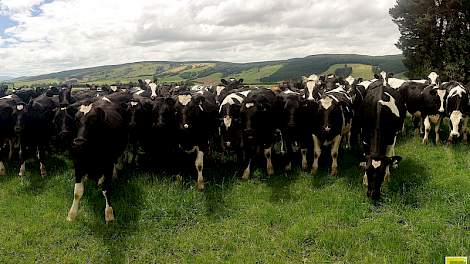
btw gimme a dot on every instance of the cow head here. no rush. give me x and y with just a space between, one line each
65 96
329 116
457 102
90 127
230 125
434 98
311 84
64 123
20 114
433 79
164 113
376 168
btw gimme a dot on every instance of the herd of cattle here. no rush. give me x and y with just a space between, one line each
100 126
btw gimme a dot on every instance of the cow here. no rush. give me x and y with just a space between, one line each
197 124
225 87
356 89
311 85
101 139
458 109
8 108
382 117
149 89
260 114
3 90
333 122
34 128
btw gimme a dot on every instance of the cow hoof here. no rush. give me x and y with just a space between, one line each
108 214
100 181
2 172
246 174
200 185
72 215
115 175
314 171
304 166
288 167
270 171
179 179
362 165
364 180
334 172
425 141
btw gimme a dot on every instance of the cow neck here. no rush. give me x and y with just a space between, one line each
376 138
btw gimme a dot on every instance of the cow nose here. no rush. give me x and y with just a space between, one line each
79 142
454 134
153 97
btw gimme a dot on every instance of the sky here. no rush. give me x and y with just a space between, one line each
43 36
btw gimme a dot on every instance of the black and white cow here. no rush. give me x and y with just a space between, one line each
100 141
149 89
197 124
382 117
260 113
225 87
458 109
333 122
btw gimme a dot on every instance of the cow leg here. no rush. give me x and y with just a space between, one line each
334 155
42 167
247 171
77 195
437 128
365 180
465 129
199 163
2 169
316 154
106 189
390 152
269 163
11 145
427 129
304 158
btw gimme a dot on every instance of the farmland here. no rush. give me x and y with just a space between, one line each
287 218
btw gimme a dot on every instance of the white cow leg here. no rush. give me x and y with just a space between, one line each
334 155
437 129
247 171
465 129
2 169
22 169
365 180
199 163
427 129
77 195
108 211
303 152
316 154
42 169
269 163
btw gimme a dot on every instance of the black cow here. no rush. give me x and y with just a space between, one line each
458 109
357 91
260 118
8 108
3 90
382 117
101 140
293 126
197 124
34 128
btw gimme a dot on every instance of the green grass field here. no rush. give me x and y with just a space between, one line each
424 215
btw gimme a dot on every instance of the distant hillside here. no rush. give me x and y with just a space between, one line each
210 72
5 78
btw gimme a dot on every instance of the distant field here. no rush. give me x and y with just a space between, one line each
295 218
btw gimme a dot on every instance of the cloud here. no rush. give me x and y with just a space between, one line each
65 34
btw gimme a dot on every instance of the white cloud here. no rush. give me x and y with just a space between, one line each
80 33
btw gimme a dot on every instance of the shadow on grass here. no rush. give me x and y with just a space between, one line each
127 203
280 184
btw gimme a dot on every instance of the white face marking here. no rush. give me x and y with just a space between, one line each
391 105
350 80
19 107
441 94
395 83
457 90
455 119
230 100
384 77
147 81
249 105
376 163
113 88
134 103
433 77
184 99
63 108
153 88
219 89
326 102
7 97
289 92
106 99
85 109
310 87
227 121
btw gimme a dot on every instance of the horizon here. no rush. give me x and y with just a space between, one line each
44 36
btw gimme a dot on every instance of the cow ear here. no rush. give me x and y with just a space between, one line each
223 81
377 76
390 75
240 81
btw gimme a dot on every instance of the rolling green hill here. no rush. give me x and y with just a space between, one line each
210 72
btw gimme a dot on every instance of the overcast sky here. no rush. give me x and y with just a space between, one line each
42 36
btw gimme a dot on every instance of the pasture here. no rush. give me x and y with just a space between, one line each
423 217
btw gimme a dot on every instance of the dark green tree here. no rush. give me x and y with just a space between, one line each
435 36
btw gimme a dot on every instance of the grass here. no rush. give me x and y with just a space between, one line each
254 75
424 215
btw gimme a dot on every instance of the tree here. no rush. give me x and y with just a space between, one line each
435 36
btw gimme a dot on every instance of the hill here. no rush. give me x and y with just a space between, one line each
210 72
5 78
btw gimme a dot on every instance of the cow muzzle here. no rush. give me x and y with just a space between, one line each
79 142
